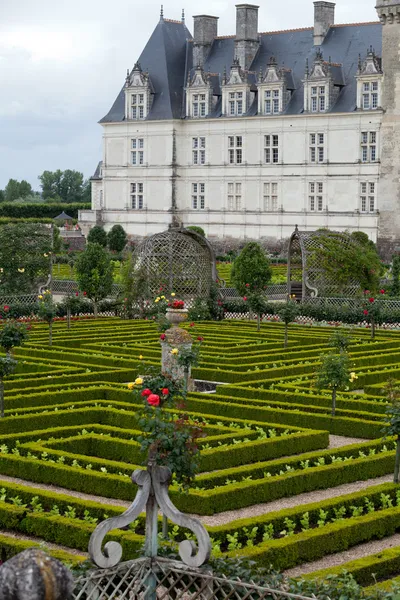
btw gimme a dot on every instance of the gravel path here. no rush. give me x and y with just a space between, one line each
337 441
27 538
334 560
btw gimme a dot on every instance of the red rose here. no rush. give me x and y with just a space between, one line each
371 300
381 291
153 400
247 285
76 293
200 339
146 392
366 292
163 336
6 308
191 325
365 312
245 298
165 391
84 293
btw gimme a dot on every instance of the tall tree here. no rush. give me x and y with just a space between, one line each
94 273
67 186
117 238
97 235
250 275
17 189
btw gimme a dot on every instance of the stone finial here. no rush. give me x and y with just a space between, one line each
183 15
33 575
162 12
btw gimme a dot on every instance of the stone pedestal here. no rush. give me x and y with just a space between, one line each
179 339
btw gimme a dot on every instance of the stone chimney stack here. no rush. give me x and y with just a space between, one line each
205 29
324 17
247 40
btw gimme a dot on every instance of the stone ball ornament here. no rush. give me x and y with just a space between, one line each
33 575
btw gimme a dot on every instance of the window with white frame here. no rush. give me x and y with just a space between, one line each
198 196
316 196
138 106
368 146
235 149
368 196
271 149
137 151
199 105
199 150
137 195
235 103
370 95
234 196
270 196
271 102
318 98
317 147
101 198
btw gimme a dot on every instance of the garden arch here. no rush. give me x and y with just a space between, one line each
306 277
178 260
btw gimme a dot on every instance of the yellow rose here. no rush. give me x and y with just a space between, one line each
174 351
46 255
140 357
131 386
21 270
40 297
162 297
173 294
157 300
138 381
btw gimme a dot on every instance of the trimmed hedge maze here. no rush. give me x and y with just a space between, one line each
70 422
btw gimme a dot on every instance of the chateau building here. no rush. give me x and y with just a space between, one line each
250 134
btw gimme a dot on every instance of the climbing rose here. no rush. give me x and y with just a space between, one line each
365 312
146 392
381 291
153 400
371 300
6 308
165 391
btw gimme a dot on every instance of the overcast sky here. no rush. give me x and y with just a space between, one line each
62 64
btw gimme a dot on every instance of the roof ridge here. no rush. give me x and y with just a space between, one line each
285 30
173 21
356 24
226 37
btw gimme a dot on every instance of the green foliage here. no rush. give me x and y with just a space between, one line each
251 270
13 334
134 288
18 210
17 189
24 257
116 238
7 366
392 419
340 340
287 311
67 186
334 371
94 273
197 229
395 291
97 235
47 308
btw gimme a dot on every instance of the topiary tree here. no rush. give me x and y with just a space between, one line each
11 335
94 273
392 421
251 272
333 373
47 310
116 238
97 235
340 340
287 313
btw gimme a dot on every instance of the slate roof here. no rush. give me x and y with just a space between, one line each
168 58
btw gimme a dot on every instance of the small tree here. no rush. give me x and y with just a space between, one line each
333 373
116 238
134 288
13 334
287 313
250 274
97 235
7 366
94 273
392 421
47 311
372 309
340 340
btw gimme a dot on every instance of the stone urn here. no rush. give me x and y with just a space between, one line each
176 316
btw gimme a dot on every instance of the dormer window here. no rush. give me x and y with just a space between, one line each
322 84
235 103
369 76
271 102
273 94
198 95
138 94
199 105
318 98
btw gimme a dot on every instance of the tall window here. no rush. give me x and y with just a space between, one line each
101 198
318 98
137 151
234 196
235 148
270 196
199 105
271 102
137 106
235 103
271 149
367 196
198 196
317 147
370 95
368 146
316 199
199 150
137 196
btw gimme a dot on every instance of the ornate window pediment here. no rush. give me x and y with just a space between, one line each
272 90
198 94
236 95
320 90
369 81
138 94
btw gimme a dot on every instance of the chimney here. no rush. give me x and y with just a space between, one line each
324 17
205 30
247 40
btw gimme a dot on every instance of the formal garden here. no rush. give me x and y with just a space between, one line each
278 417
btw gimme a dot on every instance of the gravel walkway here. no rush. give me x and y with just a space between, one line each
337 441
334 560
27 538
